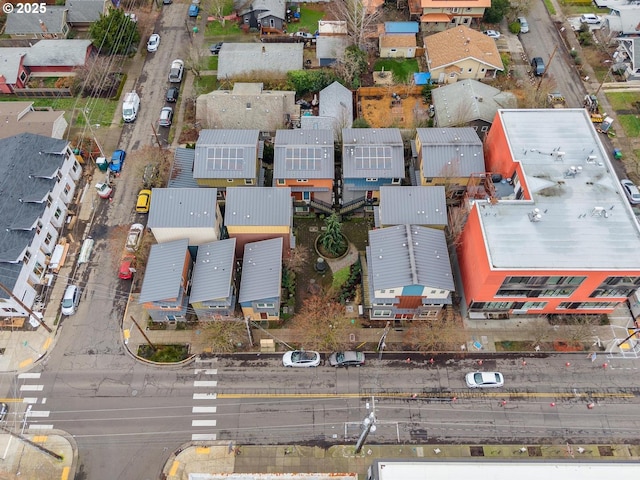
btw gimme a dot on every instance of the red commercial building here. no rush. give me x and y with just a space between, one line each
559 236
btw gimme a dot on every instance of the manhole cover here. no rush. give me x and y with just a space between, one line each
134 393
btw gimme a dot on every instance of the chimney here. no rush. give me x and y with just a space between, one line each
43 27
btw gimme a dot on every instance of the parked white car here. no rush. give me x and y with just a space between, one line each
70 300
590 18
153 43
484 379
301 358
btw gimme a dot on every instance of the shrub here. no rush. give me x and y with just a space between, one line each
514 27
305 81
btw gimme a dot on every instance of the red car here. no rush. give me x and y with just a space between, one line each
127 267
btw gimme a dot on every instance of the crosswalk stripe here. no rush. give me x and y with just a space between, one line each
205 383
203 436
30 400
39 426
203 423
37 413
206 371
205 396
204 409
31 388
29 375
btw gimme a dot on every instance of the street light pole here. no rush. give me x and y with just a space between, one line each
381 343
368 424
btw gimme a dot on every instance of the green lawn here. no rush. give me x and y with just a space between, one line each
99 110
623 100
216 29
205 84
309 17
401 68
212 63
630 124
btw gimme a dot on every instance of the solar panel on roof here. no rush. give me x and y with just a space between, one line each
372 157
225 158
304 158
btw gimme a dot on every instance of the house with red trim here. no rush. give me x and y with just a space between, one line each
439 15
564 239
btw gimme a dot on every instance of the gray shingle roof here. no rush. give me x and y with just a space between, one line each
85 11
10 59
372 153
331 47
163 275
276 7
213 271
409 255
258 206
226 154
451 152
467 100
261 270
28 166
303 154
24 24
337 101
244 58
412 205
183 208
182 169
57 53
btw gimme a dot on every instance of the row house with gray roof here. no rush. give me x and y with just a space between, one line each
213 283
304 162
371 158
38 182
408 273
261 281
164 293
400 205
179 213
227 158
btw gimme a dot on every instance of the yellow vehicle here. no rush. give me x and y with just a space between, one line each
144 201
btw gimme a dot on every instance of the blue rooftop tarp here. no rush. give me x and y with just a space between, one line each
422 78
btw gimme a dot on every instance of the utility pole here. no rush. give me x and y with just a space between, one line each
369 424
553 54
143 334
381 343
19 302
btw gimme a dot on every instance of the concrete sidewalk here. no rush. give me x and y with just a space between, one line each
228 458
37 457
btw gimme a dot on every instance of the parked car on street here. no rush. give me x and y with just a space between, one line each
117 161
104 190
172 94
4 409
134 237
166 117
176 71
538 66
484 379
70 300
215 48
143 203
127 267
492 33
194 10
349 358
631 191
301 358
303 35
524 25
153 43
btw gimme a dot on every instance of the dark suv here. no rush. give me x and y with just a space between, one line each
538 66
172 94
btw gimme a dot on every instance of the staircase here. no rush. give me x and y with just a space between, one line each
320 205
352 205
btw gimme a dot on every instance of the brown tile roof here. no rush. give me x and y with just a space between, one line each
455 3
397 40
458 43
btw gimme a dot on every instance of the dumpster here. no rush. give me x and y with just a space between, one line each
102 163
617 153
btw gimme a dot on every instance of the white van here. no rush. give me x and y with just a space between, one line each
524 25
130 107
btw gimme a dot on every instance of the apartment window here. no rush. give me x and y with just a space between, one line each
453 21
248 181
265 305
75 166
38 269
587 305
248 106
304 209
466 21
280 181
429 179
229 180
393 50
59 175
306 196
381 313
378 304
372 179
49 200
27 256
57 213
455 10
470 70
67 189
38 227
428 314
48 239
396 181
484 129
302 180
534 305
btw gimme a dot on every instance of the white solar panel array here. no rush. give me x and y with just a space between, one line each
225 158
372 157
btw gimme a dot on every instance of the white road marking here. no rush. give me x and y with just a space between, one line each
204 409
203 423
31 388
205 383
37 413
205 396
206 371
203 436
29 375
30 400
38 426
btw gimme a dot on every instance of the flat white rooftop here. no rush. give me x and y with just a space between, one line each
583 220
436 470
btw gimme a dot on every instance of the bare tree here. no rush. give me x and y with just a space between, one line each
93 75
216 8
298 259
224 335
322 323
441 333
361 21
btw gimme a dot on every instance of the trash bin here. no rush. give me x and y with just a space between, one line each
617 153
102 163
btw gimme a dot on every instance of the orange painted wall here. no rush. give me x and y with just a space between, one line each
472 257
